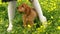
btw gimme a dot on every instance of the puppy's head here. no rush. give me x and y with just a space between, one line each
21 8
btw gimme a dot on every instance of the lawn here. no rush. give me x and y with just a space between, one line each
50 8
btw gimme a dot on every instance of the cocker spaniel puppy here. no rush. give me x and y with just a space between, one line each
29 14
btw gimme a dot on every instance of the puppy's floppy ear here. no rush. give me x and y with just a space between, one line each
22 5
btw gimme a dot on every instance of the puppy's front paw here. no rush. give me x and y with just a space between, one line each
24 26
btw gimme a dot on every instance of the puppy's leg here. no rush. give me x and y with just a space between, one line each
24 21
11 13
31 23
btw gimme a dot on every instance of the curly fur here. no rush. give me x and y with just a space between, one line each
29 16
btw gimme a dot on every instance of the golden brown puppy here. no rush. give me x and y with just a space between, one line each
29 15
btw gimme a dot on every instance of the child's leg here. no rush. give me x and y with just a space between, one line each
11 14
39 11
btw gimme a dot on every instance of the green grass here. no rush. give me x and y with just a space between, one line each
51 9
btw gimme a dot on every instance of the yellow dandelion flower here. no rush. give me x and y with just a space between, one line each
27 0
54 4
52 9
41 26
39 30
58 27
0 2
0 20
52 17
42 3
19 0
29 26
48 11
6 25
